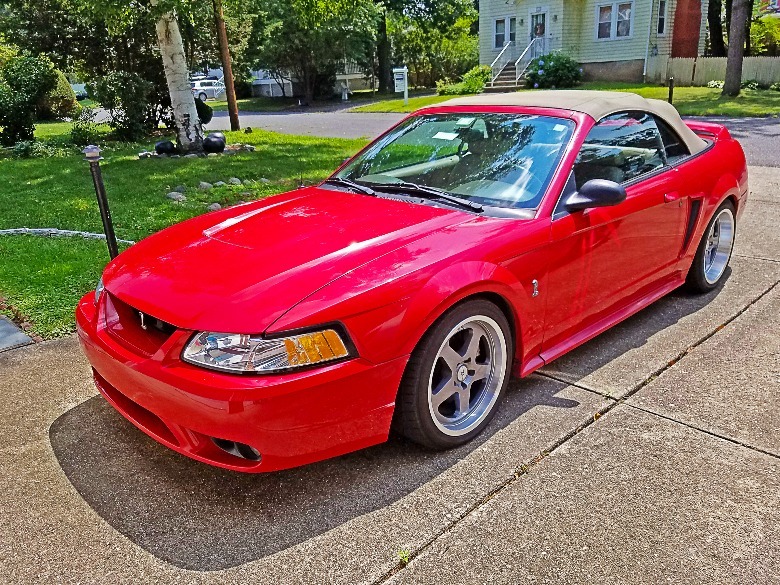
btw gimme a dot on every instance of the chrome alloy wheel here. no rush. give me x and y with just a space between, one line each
467 375
717 249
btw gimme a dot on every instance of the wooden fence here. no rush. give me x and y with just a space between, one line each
699 71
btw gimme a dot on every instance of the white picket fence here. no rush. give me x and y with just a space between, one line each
699 71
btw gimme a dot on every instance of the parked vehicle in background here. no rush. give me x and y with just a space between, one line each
205 88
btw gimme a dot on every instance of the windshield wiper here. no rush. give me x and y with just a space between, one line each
423 190
351 184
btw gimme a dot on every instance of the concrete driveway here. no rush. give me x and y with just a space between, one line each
650 454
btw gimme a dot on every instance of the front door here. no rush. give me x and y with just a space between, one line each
602 259
538 30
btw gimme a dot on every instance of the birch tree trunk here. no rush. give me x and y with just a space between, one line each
737 30
188 127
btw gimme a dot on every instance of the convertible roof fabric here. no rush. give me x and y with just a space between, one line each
596 104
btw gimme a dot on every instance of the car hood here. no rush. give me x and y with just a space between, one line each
240 269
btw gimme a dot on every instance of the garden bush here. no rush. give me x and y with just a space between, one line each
37 149
205 111
556 70
60 102
126 97
473 82
24 80
84 130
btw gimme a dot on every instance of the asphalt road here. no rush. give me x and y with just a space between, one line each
760 137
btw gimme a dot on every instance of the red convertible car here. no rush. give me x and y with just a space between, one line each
475 240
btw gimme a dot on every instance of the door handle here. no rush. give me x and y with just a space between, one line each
673 196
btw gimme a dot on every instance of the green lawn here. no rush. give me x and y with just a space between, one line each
43 278
690 101
397 105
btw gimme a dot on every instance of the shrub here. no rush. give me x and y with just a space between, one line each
775 87
84 130
555 70
36 149
60 102
473 82
750 84
205 111
24 80
715 84
126 97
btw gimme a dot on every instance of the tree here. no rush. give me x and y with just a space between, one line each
715 22
740 13
189 130
311 39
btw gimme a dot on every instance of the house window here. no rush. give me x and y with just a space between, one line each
502 27
614 20
662 17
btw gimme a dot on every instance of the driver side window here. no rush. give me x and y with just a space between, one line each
619 148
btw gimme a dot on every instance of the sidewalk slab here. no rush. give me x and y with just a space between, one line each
143 512
632 499
623 357
11 336
730 384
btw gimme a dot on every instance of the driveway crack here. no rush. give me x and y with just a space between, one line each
525 468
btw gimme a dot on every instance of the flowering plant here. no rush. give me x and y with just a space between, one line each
555 70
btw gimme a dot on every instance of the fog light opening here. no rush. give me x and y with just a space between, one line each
237 449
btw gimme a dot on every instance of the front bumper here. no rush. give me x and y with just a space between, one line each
289 419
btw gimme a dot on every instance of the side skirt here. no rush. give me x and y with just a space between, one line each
591 331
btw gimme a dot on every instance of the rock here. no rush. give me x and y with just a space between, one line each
175 156
213 154
264 180
249 148
144 155
176 196
240 202
220 184
180 188
204 186
234 181
214 207
191 155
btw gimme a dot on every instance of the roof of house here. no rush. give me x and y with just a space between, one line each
596 104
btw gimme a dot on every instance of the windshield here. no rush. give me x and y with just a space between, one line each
502 160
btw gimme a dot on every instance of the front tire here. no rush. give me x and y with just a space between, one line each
714 251
456 376
202 97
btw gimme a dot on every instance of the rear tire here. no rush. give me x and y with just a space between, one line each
202 97
714 251
456 376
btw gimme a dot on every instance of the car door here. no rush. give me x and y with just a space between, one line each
604 258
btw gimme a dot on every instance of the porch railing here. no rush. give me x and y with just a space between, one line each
502 60
536 48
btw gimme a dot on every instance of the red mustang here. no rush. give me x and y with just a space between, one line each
477 239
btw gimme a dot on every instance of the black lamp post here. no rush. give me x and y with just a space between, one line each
92 156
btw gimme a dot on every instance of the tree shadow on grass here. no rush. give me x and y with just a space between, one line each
200 517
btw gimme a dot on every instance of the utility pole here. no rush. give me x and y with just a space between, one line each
227 67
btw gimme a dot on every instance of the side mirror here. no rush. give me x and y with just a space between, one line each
596 193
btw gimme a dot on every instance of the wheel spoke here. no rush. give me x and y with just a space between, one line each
443 394
481 372
451 357
472 350
464 396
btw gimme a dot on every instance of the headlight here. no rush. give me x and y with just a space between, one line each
99 290
247 353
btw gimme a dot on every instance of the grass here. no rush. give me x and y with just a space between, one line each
397 105
704 101
689 101
41 279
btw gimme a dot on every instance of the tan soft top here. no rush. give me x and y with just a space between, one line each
596 104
